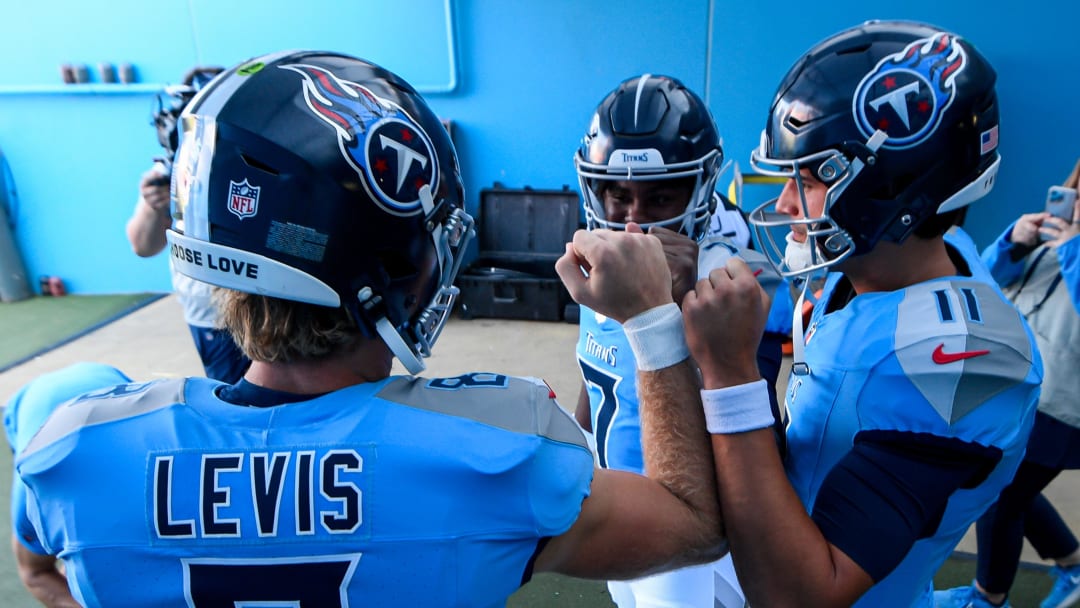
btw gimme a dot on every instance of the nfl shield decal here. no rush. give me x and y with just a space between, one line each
391 153
906 94
243 199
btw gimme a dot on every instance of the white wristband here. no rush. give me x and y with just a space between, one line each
737 409
656 337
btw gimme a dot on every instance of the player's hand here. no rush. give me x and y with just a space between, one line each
617 274
154 188
725 317
682 258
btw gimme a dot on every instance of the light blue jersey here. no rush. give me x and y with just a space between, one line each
948 358
608 369
403 492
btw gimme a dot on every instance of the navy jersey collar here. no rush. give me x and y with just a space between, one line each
246 393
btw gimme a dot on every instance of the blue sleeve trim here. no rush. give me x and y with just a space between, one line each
891 490
997 258
1069 259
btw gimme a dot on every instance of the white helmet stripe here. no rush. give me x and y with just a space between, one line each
230 81
637 96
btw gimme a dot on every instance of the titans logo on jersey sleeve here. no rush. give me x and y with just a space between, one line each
907 93
387 148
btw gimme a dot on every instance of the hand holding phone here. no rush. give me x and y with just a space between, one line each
1060 201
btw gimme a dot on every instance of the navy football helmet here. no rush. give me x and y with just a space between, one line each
321 178
899 120
651 128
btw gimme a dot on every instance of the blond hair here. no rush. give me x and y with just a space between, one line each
275 330
1074 178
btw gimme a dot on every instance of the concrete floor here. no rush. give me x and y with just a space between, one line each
153 342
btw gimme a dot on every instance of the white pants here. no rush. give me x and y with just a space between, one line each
708 585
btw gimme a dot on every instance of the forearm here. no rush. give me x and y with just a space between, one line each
678 454
146 229
631 526
39 575
51 589
780 555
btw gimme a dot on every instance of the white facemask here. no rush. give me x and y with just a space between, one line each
797 255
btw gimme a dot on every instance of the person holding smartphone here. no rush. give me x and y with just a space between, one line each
1037 262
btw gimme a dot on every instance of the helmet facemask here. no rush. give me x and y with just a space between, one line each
410 342
692 222
829 243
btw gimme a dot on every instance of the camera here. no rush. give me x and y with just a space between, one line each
170 105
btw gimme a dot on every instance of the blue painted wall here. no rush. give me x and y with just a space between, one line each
519 85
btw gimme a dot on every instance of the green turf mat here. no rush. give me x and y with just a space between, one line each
11 590
32 326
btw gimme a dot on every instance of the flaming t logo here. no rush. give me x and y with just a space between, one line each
389 151
907 93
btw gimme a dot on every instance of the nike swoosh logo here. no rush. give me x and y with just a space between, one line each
941 357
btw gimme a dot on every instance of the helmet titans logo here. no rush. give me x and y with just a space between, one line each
907 93
391 153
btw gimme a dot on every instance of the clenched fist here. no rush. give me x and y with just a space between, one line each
724 317
617 274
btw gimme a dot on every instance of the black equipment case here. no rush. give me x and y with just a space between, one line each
520 232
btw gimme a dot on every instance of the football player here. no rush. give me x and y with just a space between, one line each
913 394
652 155
323 198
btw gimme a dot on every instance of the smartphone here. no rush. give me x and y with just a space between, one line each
1060 201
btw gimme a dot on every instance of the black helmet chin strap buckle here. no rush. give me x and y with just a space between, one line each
864 154
853 156
859 150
